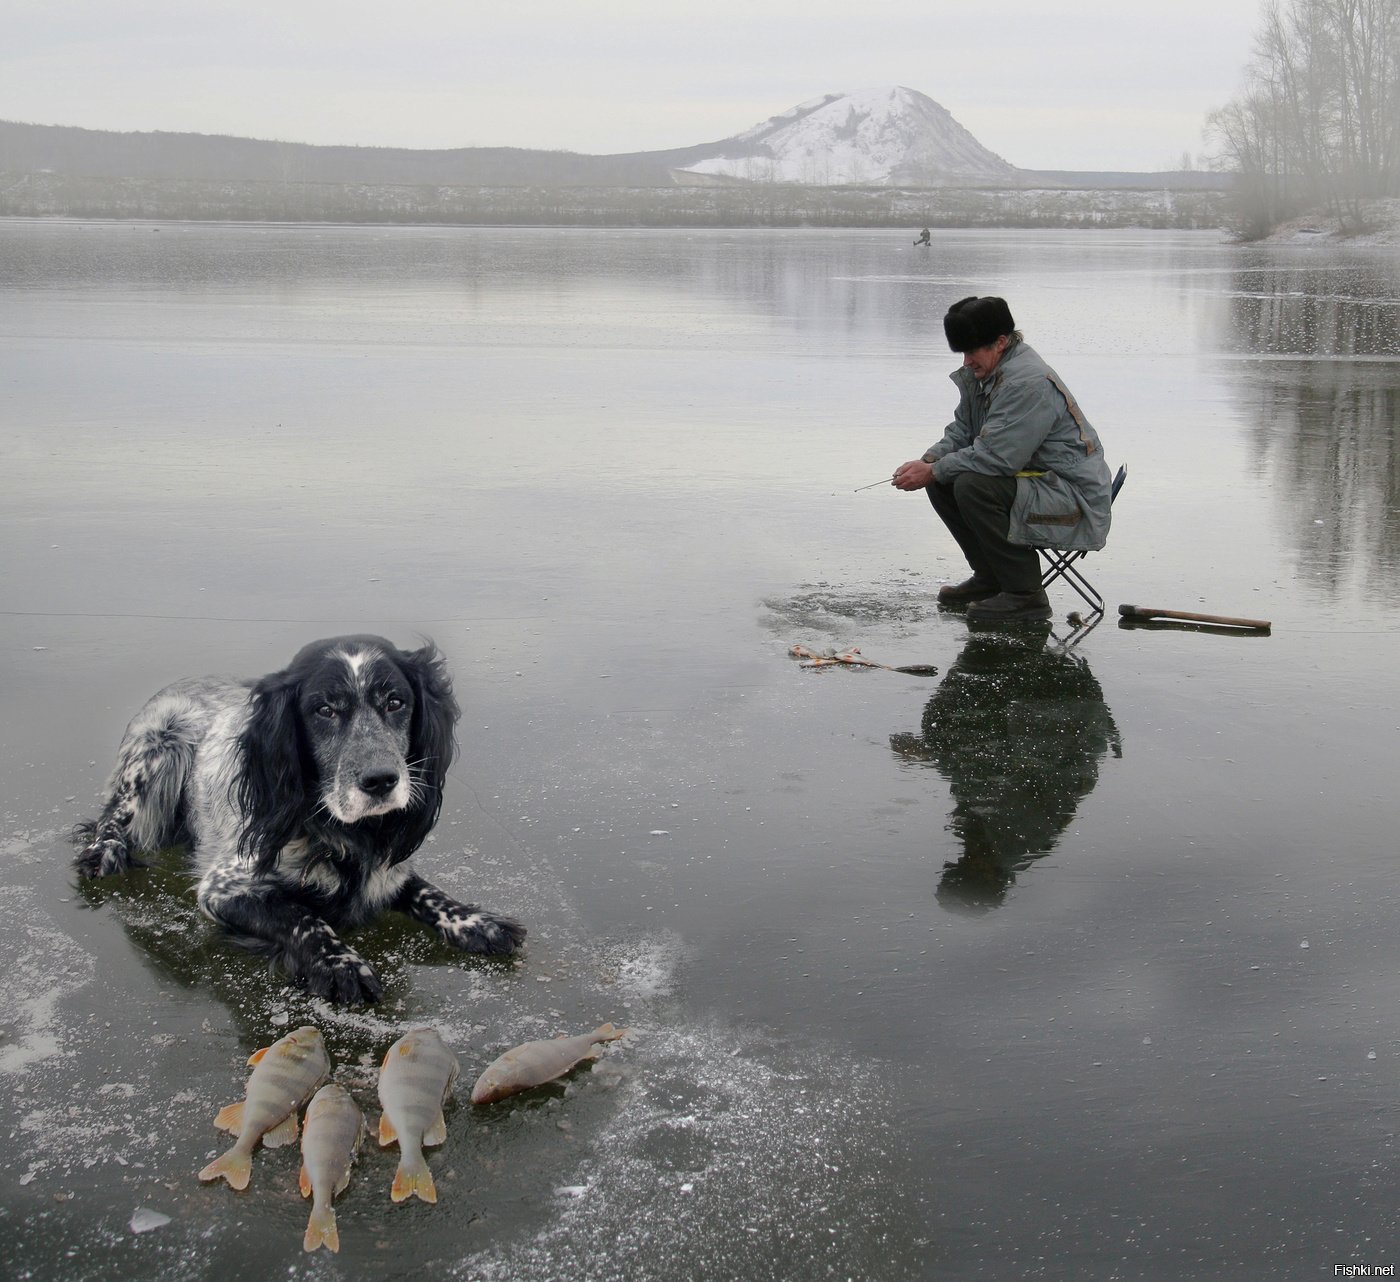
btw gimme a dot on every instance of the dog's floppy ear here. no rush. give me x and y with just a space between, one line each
271 786
432 742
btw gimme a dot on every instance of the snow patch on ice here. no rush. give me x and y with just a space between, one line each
646 969
44 966
711 1153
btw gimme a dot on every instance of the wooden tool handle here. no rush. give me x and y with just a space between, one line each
1144 612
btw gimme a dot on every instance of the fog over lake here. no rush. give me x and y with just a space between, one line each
1068 961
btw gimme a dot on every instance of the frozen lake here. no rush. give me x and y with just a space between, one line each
1062 963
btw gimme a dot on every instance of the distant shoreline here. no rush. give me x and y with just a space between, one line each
900 230
1382 228
54 195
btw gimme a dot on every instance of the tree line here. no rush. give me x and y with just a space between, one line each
57 195
1317 123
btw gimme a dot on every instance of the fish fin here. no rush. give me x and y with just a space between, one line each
344 1183
304 1183
233 1166
321 1230
256 1056
285 1132
387 1133
610 1033
408 1183
230 1118
437 1132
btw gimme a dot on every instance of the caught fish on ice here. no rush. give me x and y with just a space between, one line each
821 658
852 658
535 1063
283 1078
416 1077
330 1139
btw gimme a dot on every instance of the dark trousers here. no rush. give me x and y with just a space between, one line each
977 511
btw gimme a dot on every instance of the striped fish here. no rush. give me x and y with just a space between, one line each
535 1063
284 1075
417 1074
329 1139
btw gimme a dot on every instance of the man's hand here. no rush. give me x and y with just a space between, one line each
914 475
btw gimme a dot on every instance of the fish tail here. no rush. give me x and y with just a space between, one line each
321 1230
413 1178
233 1166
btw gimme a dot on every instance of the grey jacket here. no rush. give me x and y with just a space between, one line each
1023 422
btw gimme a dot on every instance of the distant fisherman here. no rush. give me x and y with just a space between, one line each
1019 467
924 238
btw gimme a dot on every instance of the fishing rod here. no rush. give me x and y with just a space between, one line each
883 481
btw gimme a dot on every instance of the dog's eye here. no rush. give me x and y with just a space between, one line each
393 703
325 710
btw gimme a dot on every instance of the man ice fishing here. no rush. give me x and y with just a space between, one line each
1019 467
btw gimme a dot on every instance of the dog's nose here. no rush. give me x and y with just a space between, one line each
377 783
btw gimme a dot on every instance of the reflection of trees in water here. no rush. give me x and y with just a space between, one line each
1018 730
1325 433
1317 311
1324 430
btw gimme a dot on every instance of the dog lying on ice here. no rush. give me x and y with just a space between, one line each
301 795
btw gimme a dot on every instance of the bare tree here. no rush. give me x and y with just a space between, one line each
1318 120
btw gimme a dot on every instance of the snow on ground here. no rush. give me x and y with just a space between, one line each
872 136
1382 220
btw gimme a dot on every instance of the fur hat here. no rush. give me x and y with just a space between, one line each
975 322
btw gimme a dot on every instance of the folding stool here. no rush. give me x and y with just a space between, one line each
1060 563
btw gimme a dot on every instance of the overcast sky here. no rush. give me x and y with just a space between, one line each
1046 84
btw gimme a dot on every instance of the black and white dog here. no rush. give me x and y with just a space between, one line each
301 795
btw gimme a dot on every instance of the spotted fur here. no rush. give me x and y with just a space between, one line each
301 796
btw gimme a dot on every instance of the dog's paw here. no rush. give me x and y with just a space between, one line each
340 976
474 931
104 858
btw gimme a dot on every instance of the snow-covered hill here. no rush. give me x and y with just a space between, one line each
878 138
875 137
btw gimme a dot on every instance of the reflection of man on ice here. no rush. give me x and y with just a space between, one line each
924 238
1018 731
